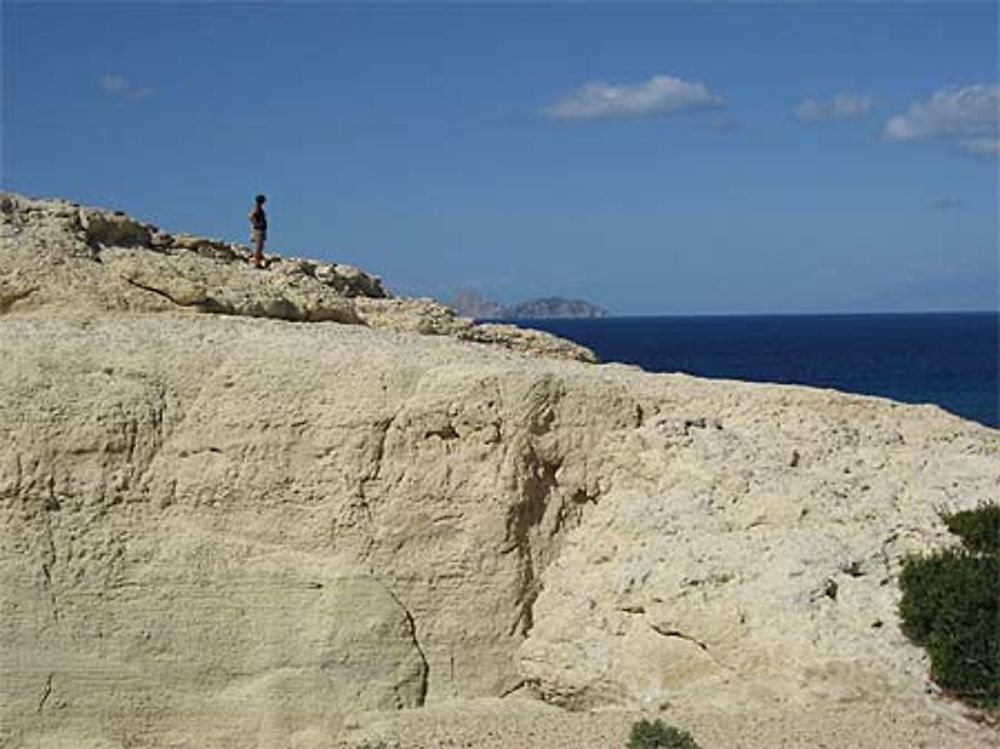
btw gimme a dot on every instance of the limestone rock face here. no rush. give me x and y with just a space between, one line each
227 530
203 507
210 517
65 256
76 259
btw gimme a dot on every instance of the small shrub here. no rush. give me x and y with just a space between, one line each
951 607
651 735
979 529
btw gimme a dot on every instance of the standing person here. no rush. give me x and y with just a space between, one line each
258 230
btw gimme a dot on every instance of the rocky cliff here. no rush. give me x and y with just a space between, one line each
241 508
61 255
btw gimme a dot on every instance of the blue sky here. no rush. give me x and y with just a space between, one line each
654 159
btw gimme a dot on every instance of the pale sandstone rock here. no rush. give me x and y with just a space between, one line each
113 229
222 531
63 256
349 280
174 487
427 317
189 280
83 258
501 724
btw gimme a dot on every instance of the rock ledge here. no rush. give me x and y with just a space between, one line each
84 260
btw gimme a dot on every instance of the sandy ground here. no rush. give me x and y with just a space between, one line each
521 723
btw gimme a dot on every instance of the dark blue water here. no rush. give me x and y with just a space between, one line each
947 359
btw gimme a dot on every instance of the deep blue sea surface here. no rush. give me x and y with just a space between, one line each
947 359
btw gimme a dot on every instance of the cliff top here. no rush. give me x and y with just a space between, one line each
69 259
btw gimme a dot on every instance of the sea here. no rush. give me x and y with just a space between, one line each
947 359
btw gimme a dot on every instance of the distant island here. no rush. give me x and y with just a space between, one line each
471 304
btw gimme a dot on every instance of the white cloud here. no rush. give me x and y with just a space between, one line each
660 95
119 85
968 116
114 84
981 146
840 107
946 204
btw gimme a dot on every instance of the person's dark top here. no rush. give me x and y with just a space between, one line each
258 219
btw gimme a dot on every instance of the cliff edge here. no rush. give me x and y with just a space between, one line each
68 259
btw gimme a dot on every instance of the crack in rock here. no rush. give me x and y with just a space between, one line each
50 563
677 633
46 692
513 688
372 475
426 671
153 290
666 632
9 300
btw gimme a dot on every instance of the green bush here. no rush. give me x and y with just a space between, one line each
647 735
951 607
979 529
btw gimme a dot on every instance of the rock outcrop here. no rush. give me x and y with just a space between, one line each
222 530
62 255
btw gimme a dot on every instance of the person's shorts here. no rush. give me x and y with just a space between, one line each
258 235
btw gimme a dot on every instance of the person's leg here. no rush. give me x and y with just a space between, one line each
258 249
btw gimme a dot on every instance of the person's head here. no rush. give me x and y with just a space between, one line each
260 200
